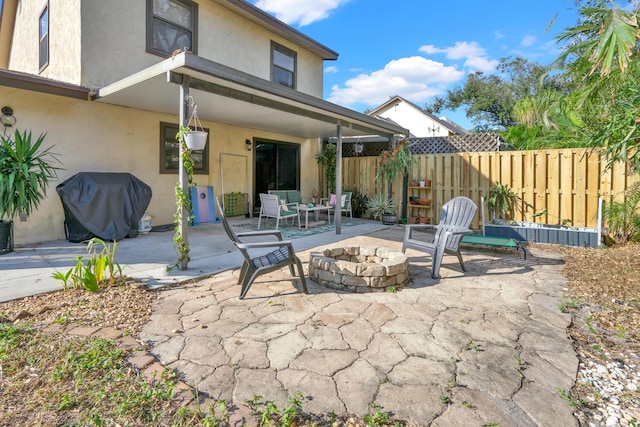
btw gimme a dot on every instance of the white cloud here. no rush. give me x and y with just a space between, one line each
331 69
300 12
475 55
498 34
414 78
430 49
528 40
481 63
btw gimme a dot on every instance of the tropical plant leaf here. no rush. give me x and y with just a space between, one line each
618 36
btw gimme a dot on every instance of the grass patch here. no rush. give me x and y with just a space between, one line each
74 381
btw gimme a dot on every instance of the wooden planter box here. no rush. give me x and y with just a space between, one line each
543 233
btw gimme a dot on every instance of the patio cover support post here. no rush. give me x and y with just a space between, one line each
338 213
183 178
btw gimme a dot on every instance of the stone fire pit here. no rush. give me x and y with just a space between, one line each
359 268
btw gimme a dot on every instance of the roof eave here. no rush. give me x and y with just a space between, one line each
260 17
40 84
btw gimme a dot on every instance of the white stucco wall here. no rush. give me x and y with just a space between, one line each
64 40
114 44
418 123
95 42
93 137
243 45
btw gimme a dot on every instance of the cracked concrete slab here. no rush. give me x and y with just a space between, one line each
485 346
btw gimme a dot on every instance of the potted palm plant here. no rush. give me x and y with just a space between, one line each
25 171
502 202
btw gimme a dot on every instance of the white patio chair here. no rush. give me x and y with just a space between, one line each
271 207
345 205
456 218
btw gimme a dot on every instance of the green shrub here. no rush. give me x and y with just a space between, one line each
623 218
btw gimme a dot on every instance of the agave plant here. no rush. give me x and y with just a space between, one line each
379 205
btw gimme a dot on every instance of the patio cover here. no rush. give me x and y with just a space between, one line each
226 95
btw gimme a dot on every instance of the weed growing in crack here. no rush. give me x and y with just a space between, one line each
270 413
521 365
445 400
468 405
473 346
377 418
190 414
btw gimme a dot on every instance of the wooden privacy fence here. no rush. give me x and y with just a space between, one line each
566 183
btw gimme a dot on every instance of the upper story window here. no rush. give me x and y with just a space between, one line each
171 25
44 38
283 65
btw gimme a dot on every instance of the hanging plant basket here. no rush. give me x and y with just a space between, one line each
196 139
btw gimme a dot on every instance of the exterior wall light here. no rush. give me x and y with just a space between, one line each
7 119
247 144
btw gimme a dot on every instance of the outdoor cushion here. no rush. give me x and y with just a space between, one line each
333 198
294 197
290 196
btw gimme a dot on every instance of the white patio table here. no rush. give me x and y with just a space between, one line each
316 209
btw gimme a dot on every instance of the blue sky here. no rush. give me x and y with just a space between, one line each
421 48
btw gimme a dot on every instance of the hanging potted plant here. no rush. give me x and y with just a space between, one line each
195 139
393 163
25 172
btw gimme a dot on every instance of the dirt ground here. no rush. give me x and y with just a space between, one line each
603 297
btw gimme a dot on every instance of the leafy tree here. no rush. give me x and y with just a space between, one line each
489 99
601 65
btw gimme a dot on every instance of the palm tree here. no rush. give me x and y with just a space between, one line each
601 66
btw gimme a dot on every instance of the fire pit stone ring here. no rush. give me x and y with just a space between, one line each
359 268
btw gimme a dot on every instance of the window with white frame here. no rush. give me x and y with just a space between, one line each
171 26
283 65
44 38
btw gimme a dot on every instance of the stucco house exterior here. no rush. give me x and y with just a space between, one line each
110 81
420 123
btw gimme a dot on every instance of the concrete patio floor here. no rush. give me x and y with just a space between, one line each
27 270
477 348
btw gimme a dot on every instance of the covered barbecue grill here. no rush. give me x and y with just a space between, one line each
105 205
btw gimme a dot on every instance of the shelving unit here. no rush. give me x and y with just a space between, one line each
419 213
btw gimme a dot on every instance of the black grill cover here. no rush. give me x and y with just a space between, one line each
104 205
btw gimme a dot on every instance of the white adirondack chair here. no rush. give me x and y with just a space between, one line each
456 218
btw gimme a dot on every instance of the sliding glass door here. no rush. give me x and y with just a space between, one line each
276 167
